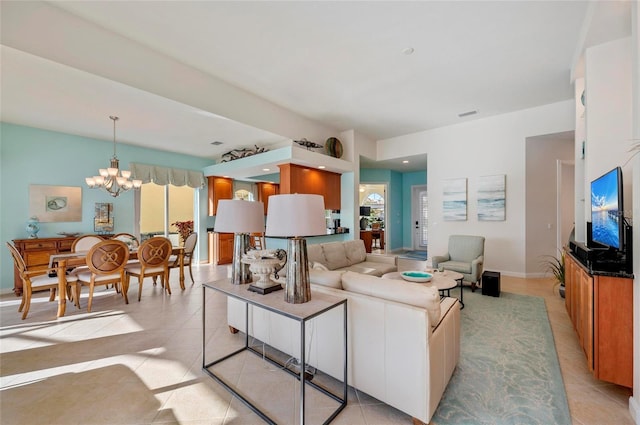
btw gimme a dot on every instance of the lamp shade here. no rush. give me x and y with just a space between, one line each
238 216
296 215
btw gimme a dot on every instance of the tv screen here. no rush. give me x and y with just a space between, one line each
366 211
606 205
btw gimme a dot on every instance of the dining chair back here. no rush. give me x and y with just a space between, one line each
153 257
189 248
375 234
85 242
127 238
105 261
35 280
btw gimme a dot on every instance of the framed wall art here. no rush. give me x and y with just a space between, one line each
55 203
103 218
492 198
454 200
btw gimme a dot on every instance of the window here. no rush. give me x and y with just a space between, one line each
162 205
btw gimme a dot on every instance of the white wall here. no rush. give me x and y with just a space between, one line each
612 120
542 155
489 146
634 402
608 115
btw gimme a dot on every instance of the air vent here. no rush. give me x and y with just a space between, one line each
216 143
466 114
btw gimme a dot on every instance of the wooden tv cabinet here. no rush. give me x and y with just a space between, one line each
600 305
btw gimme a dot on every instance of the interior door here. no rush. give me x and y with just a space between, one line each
419 216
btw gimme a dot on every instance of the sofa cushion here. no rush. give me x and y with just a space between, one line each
335 255
372 268
328 278
457 266
315 254
415 294
356 252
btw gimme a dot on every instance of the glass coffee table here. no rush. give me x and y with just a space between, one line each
445 281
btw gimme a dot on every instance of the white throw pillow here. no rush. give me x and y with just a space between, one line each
319 266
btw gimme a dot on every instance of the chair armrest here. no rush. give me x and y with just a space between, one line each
476 267
437 259
387 259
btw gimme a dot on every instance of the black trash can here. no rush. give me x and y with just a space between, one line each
491 283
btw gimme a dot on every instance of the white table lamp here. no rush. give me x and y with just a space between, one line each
296 216
241 218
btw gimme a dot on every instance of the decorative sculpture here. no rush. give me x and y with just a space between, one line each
308 144
234 154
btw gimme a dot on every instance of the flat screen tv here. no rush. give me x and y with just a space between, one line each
606 210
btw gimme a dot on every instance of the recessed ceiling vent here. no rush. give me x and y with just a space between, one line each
466 114
216 143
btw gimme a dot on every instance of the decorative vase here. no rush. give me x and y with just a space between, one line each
33 227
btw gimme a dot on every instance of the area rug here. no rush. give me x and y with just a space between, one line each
508 371
414 255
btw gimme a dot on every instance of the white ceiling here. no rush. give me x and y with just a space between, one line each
340 64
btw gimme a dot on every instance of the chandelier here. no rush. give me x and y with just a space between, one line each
112 179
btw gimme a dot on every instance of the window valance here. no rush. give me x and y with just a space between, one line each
166 175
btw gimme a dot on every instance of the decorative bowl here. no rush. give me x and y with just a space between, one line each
416 276
72 234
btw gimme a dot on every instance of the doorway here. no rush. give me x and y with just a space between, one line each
419 217
374 196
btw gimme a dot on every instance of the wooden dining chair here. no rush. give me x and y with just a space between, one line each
189 248
127 238
35 280
85 242
153 257
106 261
375 233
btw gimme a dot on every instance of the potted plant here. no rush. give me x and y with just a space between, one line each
185 228
555 265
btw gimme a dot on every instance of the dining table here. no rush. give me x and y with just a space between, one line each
61 262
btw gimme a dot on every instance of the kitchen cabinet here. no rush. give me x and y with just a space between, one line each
219 188
224 245
264 191
300 179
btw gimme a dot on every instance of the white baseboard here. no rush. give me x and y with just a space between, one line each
634 409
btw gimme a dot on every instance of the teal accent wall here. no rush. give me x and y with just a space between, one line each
408 180
399 200
35 156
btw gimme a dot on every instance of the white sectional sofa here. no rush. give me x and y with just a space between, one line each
350 256
403 340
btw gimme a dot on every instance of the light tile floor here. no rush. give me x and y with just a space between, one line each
141 364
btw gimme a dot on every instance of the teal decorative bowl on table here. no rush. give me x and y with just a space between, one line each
416 276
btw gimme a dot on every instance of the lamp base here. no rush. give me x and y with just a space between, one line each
240 272
265 290
298 287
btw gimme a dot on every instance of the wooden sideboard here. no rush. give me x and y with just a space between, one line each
36 252
600 306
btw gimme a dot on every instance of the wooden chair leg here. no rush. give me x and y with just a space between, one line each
191 273
168 287
26 300
90 302
52 294
140 287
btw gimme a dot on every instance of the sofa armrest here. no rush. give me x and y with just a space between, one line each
437 259
387 259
